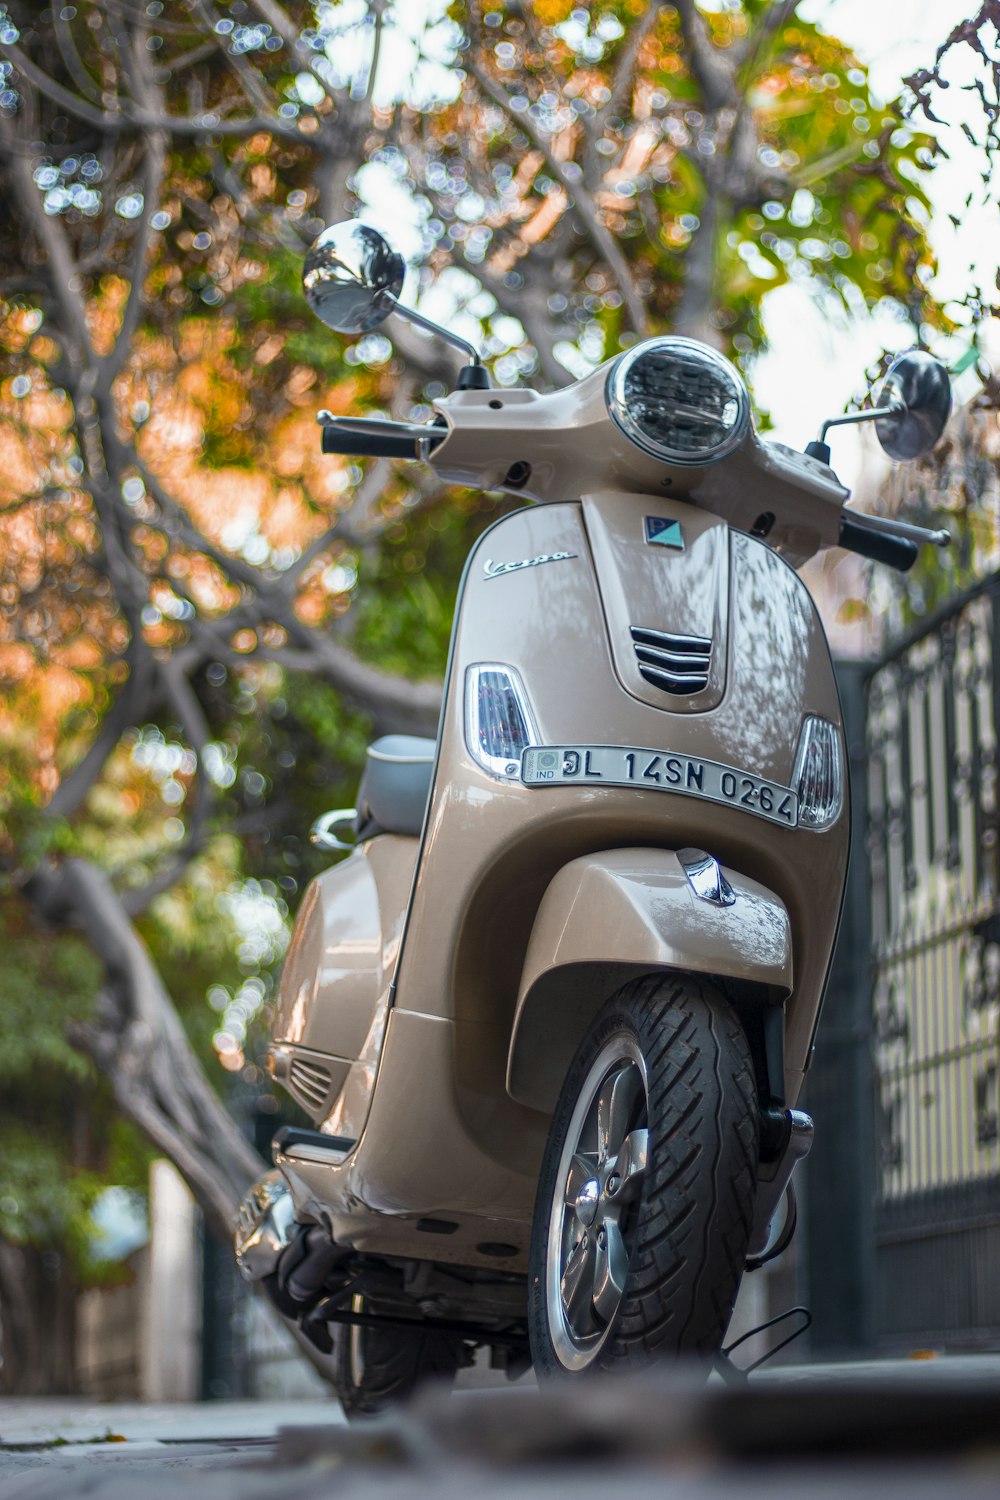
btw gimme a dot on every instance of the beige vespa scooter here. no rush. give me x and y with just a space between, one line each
551 1017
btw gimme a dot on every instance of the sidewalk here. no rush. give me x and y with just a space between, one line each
891 1430
68 1420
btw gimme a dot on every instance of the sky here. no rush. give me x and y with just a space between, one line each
893 39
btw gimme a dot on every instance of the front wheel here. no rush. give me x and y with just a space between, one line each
645 1200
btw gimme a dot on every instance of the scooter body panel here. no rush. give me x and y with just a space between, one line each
333 999
443 1138
611 916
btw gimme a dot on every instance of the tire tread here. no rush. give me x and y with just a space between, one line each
696 1208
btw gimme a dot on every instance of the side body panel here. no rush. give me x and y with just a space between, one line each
333 998
443 1137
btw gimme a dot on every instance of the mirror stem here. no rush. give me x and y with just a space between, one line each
871 415
474 376
412 316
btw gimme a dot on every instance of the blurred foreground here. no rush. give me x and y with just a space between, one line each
907 1427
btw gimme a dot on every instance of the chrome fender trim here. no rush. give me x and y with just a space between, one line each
264 1226
623 912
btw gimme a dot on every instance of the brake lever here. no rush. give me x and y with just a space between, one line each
904 530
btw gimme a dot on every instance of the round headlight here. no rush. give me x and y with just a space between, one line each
679 401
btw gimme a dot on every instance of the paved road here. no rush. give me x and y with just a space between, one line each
916 1429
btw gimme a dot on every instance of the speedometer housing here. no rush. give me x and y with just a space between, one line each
679 401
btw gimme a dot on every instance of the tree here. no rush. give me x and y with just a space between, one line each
172 654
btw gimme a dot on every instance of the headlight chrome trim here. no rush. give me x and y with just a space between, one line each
690 351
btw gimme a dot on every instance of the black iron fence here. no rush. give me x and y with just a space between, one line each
935 903
904 1222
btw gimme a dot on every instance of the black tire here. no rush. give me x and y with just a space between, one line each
674 1047
377 1368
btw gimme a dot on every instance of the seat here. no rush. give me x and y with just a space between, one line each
395 785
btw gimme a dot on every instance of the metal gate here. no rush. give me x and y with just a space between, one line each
931 749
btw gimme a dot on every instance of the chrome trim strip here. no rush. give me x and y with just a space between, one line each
317 1154
322 832
400 760
264 1228
705 877
691 643
672 682
691 665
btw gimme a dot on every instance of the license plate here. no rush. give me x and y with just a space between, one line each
659 770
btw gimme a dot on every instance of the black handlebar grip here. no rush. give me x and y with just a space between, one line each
898 551
391 445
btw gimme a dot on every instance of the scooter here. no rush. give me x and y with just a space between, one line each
551 1016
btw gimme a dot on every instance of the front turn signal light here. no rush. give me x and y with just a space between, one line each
819 777
498 719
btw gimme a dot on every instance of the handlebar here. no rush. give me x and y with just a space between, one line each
378 437
884 540
898 551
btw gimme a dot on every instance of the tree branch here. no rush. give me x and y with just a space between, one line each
282 25
134 703
599 234
71 57
123 119
711 72
139 1024
393 701
250 79
152 182
51 236
635 39
180 696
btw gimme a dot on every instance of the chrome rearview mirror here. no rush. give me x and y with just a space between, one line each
352 278
917 392
909 409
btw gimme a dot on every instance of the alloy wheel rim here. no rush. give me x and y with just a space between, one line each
594 1203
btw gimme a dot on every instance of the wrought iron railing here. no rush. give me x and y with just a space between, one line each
934 817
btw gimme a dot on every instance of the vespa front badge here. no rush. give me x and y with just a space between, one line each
498 720
818 777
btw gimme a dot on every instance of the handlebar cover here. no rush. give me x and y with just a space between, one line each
898 552
388 445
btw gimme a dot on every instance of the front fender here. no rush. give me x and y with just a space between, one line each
611 916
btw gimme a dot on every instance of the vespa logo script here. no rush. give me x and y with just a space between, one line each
497 570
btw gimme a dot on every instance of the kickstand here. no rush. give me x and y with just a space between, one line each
738 1374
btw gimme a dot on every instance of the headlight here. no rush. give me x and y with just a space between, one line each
679 400
498 719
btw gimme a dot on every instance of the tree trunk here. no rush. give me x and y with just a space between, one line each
37 1322
137 1041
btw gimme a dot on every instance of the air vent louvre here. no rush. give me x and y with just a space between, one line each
677 664
309 1082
